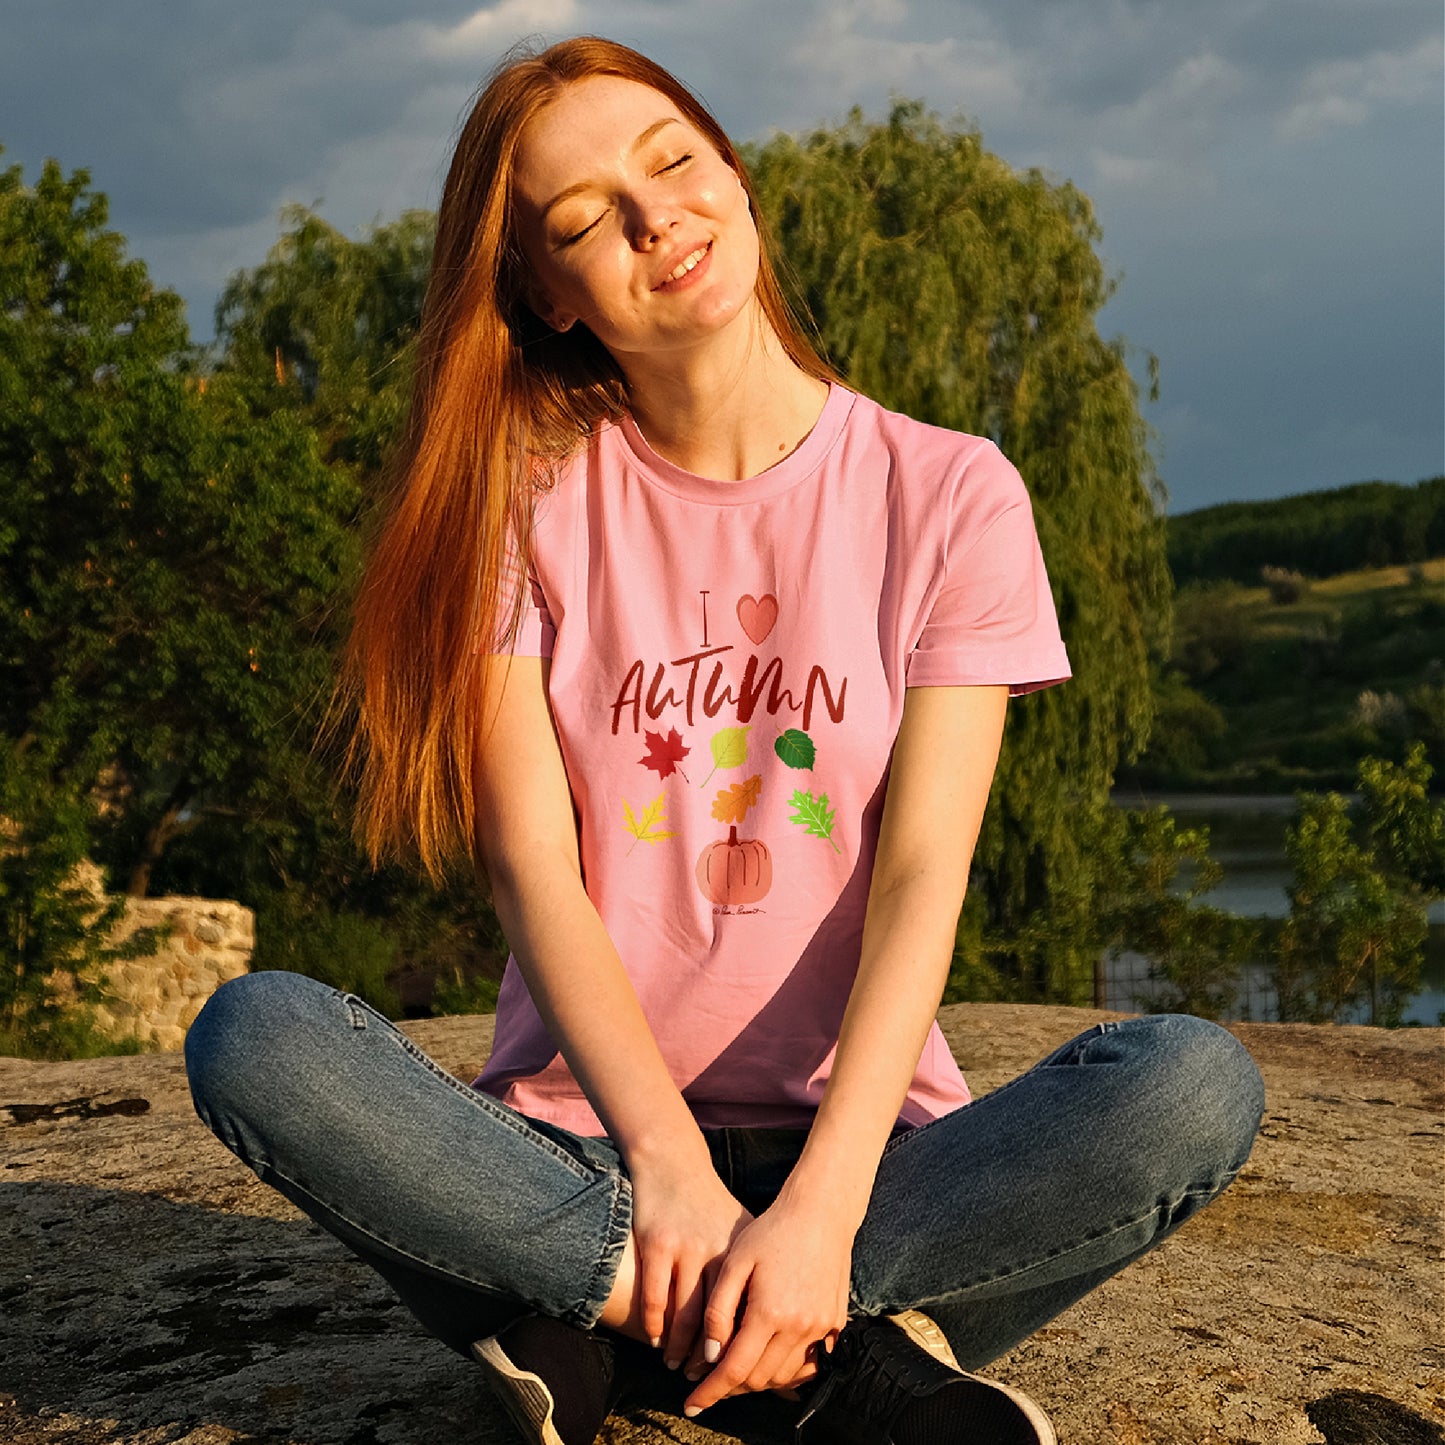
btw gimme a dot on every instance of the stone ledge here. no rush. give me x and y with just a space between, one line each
208 941
155 1293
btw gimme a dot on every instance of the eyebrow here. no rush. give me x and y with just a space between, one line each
636 146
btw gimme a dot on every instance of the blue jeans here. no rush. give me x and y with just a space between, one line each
991 1219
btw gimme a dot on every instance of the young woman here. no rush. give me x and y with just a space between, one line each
705 658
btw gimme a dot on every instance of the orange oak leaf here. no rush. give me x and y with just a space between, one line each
732 804
665 753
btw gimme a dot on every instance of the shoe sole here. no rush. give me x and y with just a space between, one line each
1038 1422
523 1395
925 1333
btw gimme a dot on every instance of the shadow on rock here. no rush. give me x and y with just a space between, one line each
1357 1417
138 1314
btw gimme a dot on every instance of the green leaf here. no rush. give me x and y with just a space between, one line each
795 748
814 814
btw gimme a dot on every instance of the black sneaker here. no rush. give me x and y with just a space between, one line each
879 1387
557 1382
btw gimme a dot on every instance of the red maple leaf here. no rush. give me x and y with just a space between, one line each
665 753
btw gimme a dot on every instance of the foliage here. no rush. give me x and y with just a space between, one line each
56 924
325 328
1195 951
953 288
1285 586
167 561
1370 524
1404 826
1305 689
461 993
1188 728
1357 920
345 950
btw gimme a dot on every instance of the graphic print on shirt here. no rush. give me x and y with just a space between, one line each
735 872
729 748
645 829
758 615
664 754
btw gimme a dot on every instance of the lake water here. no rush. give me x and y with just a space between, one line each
1246 838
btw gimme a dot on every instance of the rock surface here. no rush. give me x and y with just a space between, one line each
152 1292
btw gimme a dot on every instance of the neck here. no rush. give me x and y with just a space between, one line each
727 410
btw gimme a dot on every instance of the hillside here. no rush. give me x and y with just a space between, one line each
1289 685
1321 533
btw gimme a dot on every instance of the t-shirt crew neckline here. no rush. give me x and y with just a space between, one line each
792 469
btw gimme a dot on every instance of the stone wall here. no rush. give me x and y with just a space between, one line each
156 998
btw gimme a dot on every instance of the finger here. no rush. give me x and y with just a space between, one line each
689 1296
696 1366
724 1302
656 1293
732 1369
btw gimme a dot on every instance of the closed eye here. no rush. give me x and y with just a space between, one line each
578 235
673 165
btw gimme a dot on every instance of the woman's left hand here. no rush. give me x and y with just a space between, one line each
788 1272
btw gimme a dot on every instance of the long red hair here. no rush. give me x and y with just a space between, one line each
497 401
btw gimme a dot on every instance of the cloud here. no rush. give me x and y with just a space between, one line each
1190 125
487 32
1349 92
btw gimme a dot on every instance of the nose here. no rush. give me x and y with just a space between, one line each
651 217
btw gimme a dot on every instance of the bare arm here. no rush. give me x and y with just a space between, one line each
943 766
683 1216
794 1260
572 969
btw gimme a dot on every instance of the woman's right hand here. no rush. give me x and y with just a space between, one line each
684 1220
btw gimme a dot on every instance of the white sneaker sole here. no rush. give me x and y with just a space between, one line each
926 1334
523 1395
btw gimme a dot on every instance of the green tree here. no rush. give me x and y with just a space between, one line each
1404 826
965 293
325 326
56 923
1195 951
167 560
1357 922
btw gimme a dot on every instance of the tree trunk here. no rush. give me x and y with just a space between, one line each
157 836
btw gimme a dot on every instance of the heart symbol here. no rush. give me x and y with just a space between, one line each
758 615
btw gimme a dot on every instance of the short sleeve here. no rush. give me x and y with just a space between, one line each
992 618
536 631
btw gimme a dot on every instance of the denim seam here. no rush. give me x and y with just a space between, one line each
1204 1190
484 1103
587 1314
1099 1030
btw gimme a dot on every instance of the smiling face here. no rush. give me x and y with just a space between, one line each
632 222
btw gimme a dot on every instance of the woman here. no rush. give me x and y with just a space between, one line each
705 658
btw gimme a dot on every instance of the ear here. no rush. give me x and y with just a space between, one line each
551 315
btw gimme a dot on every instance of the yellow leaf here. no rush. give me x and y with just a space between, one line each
645 828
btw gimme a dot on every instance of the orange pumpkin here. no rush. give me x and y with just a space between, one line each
735 870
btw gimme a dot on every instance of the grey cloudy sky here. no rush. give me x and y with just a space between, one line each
1268 173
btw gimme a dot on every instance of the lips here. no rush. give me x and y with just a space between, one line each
684 265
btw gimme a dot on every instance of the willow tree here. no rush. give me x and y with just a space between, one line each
949 286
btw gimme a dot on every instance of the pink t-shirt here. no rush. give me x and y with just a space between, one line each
728 669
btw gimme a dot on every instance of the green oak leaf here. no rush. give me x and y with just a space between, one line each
795 748
814 814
